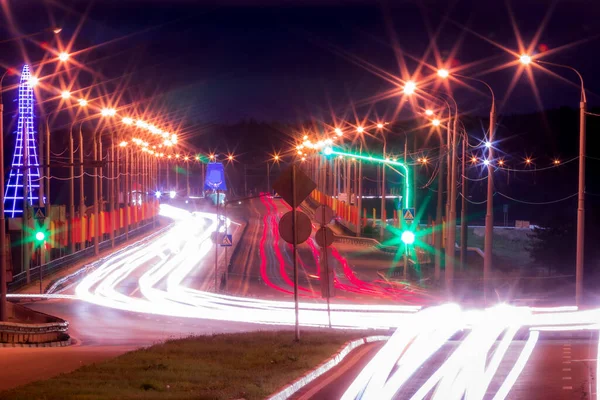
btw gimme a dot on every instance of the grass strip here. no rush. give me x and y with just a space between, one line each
224 366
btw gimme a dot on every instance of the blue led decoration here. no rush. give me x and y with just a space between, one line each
14 193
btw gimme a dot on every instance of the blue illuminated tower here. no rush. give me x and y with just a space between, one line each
14 193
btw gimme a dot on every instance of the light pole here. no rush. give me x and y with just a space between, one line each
489 214
3 249
579 257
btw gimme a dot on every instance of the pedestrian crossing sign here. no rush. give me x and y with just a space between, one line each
227 241
408 214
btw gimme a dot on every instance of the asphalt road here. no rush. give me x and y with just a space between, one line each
561 367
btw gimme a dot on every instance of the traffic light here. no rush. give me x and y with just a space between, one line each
40 236
408 237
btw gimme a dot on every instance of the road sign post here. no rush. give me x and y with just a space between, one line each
227 241
324 238
294 186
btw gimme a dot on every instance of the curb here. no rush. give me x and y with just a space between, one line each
324 367
63 343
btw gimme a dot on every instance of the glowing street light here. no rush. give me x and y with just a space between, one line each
436 122
443 73
305 137
82 102
64 56
123 144
108 112
360 129
338 132
409 87
379 125
486 162
556 162
488 144
65 94
429 112
525 59
33 81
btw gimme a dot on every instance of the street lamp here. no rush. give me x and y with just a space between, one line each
82 102
338 132
410 87
63 56
360 129
525 60
429 112
489 215
443 73
435 122
65 94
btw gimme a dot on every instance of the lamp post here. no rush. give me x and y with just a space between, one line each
489 214
3 288
579 257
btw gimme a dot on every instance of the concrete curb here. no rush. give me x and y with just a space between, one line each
323 368
63 343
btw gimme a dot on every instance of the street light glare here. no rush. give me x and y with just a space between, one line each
33 81
127 121
123 144
39 236
65 94
443 73
379 125
436 122
83 102
360 129
525 59
64 56
108 112
409 87
338 132
486 162
488 144
429 112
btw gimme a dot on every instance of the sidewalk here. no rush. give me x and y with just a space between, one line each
47 280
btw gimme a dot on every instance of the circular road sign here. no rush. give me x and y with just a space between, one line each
303 227
324 237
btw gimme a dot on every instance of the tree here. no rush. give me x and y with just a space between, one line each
553 245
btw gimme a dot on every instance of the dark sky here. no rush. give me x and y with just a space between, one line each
288 60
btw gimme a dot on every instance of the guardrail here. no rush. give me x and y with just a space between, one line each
20 279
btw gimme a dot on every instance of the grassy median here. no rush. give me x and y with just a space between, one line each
227 366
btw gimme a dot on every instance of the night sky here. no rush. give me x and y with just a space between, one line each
222 61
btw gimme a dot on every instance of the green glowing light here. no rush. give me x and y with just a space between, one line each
406 197
39 236
408 237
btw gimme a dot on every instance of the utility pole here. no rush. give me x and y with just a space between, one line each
463 207
489 215
81 188
71 193
580 202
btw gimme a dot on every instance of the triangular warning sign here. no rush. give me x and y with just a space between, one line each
226 241
39 214
408 215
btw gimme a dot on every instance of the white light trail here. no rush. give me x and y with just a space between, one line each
161 264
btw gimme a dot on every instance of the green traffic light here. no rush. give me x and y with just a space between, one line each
39 236
407 237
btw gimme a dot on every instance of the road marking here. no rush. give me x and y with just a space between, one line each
566 378
566 369
566 356
566 362
568 387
